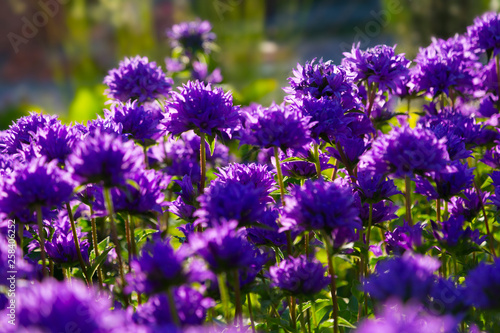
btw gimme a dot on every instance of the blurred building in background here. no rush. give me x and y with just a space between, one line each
54 54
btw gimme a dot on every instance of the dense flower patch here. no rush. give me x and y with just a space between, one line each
367 201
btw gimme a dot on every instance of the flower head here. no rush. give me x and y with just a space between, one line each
483 286
137 79
374 187
379 65
192 36
320 205
299 276
275 126
404 238
57 141
142 123
200 108
484 34
405 151
452 235
105 159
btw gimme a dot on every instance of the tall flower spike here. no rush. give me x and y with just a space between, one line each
137 79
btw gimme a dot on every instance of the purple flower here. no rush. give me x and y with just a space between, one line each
179 157
408 318
137 79
200 108
324 79
61 249
320 205
191 308
230 200
96 127
381 211
185 204
275 126
483 286
57 141
36 183
406 278
326 114
105 159
405 151
484 34
492 157
200 73
447 184
192 37
404 238
266 232
159 268
299 276
24 129
378 65
446 297
374 187
468 205
254 174
452 235
10 250
224 248
141 122
353 148
54 306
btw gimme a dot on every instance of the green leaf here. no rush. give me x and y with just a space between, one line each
98 261
328 324
140 234
211 142
101 247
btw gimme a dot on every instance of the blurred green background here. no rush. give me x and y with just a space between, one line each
54 54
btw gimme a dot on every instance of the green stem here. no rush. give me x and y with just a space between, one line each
371 90
293 312
408 200
309 320
333 285
334 170
114 233
438 210
221 279
306 242
20 235
41 234
313 310
96 246
146 159
77 244
367 253
203 162
129 242
67 273
316 160
302 319
282 195
238 320
491 240
250 311
173 308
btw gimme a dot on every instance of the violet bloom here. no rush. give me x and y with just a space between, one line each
276 126
405 151
378 65
406 278
57 141
137 79
24 129
10 251
191 308
382 211
373 187
483 286
254 174
231 200
185 204
452 235
200 108
32 185
301 277
304 168
61 249
224 248
353 149
484 34
327 115
447 184
320 205
324 79
54 306
159 268
404 238
469 204
192 37
141 123
200 73
266 232
448 298
105 159
98 126
492 157
408 318
179 157
495 198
